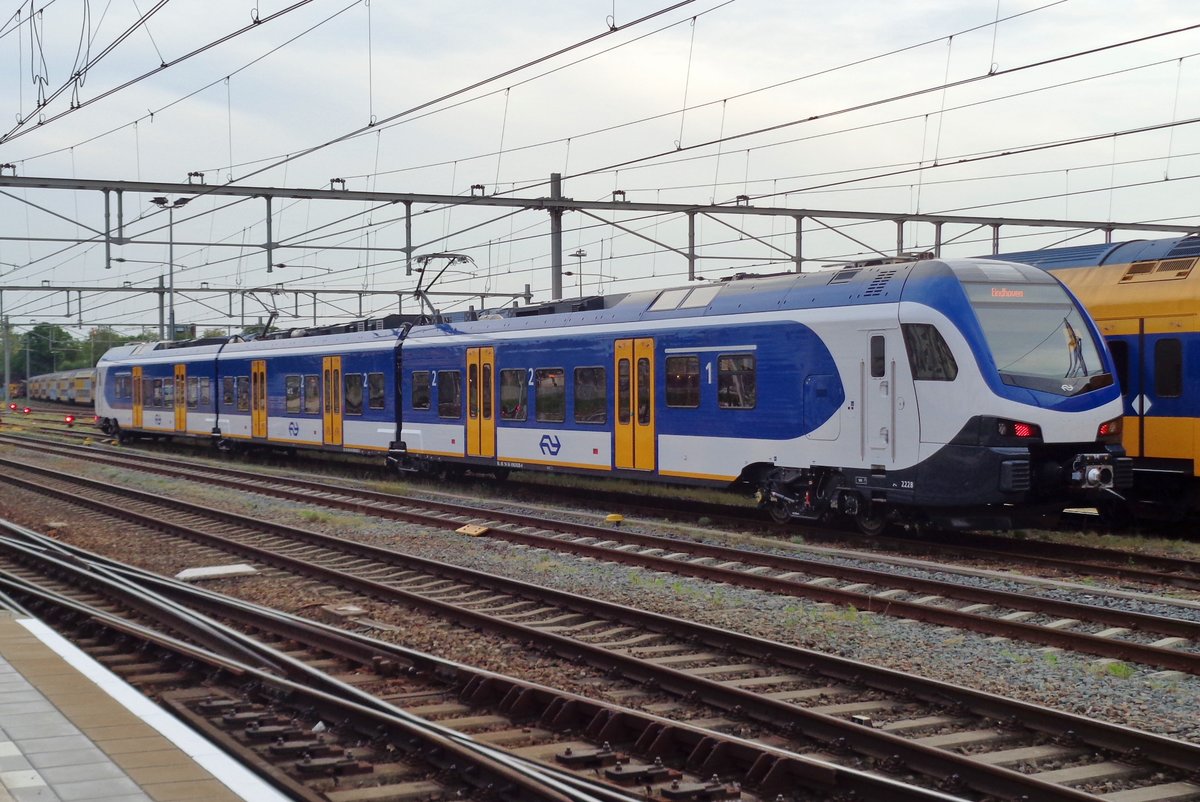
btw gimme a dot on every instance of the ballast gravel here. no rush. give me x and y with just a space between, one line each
1166 703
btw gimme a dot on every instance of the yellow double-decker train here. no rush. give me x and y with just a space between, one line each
65 386
1145 297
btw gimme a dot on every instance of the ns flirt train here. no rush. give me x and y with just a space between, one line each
954 393
1145 298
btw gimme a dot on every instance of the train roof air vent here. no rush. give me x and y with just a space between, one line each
1165 270
1179 267
844 275
878 283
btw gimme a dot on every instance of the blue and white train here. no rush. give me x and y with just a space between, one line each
962 393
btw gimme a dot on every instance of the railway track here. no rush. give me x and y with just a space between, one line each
405 724
999 551
1108 632
884 720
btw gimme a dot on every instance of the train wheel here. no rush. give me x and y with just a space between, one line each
780 511
871 521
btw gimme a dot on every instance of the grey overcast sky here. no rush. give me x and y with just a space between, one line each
1010 108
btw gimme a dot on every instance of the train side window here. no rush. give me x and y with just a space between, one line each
487 391
878 362
155 395
643 391
243 393
312 395
624 408
550 395
376 391
473 391
1168 368
193 392
168 392
449 385
1120 355
353 394
227 391
291 392
420 389
683 381
737 381
928 355
591 395
514 391
205 392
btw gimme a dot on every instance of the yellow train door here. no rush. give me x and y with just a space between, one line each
634 397
1168 430
481 412
331 393
258 398
138 396
181 398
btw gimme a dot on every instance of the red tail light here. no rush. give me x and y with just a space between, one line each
1010 428
1110 428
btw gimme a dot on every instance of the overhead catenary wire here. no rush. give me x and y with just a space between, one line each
782 192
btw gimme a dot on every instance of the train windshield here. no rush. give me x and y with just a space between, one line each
1038 337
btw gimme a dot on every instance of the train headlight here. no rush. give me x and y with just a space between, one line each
1012 428
1110 428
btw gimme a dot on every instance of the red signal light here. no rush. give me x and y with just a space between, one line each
1009 428
13 407
70 420
27 410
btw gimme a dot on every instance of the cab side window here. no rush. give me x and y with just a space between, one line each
928 354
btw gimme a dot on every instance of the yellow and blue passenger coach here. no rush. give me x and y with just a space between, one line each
1145 298
959 393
